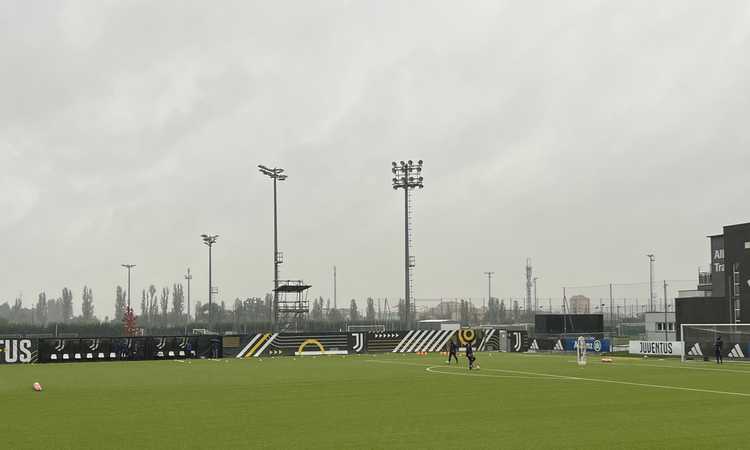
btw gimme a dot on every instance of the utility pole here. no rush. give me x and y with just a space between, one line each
407 176
536 299
565 313
611 307
666 317
651 260
128 266
276 174
188 277
334 287
528 285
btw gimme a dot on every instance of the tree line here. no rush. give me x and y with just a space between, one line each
50 310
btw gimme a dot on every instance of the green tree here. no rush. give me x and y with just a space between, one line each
41 308
144 306
120 304
87 304
353 313
317 309
152 303
15 311
67 305
178 302
370 313
164 302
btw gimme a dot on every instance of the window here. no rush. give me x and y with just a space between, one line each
659 326
671 326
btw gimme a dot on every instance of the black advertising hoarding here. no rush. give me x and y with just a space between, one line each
128 348
17 350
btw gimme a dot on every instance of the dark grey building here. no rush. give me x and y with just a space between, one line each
723 293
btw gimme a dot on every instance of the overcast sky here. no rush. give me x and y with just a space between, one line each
580 134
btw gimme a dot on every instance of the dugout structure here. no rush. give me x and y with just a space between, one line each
291 305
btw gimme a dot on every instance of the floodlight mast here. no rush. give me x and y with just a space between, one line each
407 176
209 240
128 266
277 174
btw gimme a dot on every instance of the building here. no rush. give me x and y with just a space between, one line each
438 324
723 294
579 304
659 326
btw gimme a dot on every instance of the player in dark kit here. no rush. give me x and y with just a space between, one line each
452 350
717 348
470 355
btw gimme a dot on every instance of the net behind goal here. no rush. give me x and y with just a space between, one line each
700 341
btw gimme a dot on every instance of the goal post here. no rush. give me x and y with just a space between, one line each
699 341
581 351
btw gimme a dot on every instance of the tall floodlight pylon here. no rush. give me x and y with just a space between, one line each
407 176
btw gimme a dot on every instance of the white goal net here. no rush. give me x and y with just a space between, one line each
701 342
581 351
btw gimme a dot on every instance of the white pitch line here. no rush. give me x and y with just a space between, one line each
474 374
621 362
599 380
746 372
626 383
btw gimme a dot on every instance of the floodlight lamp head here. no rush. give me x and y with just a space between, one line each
403 163
411 163
394 163
420 162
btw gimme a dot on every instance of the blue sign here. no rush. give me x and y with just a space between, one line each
592 345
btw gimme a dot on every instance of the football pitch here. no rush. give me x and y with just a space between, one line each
377 401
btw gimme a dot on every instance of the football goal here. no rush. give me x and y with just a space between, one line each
699 341
581 351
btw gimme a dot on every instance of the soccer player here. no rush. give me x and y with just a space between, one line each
452 350
717 348
470 355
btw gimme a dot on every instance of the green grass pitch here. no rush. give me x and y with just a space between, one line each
376 401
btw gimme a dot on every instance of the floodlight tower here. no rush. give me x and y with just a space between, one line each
407 176
489 286
209 240
651 260
276 174
188 277
529 284
128 266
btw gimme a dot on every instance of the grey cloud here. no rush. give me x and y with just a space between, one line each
581 135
